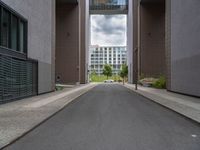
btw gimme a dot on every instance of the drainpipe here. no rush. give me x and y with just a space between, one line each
136 68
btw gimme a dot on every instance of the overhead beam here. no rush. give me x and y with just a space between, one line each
67 1
152 1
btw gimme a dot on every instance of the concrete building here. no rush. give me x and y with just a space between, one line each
43 41
115 56
27 48
165 34
162 40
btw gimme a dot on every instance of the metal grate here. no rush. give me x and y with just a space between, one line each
18 78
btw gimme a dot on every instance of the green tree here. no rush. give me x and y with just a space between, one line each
107 71
124 72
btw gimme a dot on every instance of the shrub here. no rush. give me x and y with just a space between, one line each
147 82
160 83
59 88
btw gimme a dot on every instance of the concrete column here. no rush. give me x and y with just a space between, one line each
83 40
130 45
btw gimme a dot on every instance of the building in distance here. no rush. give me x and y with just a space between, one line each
112 55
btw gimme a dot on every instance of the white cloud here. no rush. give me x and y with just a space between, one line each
108 30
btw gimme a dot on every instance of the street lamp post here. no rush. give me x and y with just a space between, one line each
137 51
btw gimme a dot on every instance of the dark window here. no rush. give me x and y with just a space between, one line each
5 28
22 37
14 27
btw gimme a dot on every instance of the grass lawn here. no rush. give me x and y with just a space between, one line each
101 78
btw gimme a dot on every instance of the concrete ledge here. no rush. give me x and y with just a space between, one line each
20 117
185 105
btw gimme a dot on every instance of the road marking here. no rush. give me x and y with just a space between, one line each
194 135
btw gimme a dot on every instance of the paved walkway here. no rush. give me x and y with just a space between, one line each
112 117
185 105
18 117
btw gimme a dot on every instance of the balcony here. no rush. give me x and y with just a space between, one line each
108 7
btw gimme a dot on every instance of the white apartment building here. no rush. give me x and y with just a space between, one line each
112 55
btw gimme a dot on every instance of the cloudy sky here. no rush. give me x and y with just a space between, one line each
108 30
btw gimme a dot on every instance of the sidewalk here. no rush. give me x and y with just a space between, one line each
19 117
185 105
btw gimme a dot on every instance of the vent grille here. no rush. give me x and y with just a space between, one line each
18 78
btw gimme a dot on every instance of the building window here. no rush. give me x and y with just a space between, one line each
13 31
21 36
5 28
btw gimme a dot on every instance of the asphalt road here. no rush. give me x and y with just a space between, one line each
111 117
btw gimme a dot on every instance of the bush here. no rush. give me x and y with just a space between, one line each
160 83
147 82
59 88
119 80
